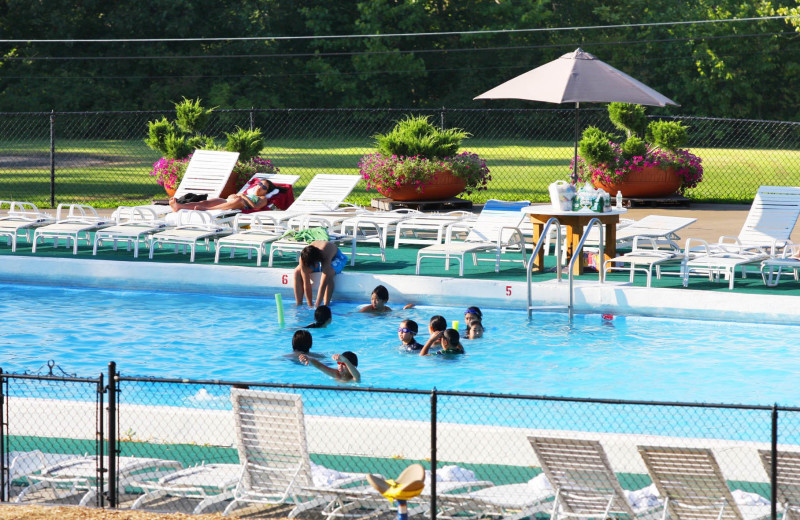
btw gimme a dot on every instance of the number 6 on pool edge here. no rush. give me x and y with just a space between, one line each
508 290
285 279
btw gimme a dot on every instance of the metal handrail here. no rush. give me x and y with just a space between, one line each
576 255
535 252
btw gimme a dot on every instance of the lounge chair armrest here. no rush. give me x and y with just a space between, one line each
514 231
455 226
639 238
696 245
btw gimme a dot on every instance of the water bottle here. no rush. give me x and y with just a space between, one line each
618 202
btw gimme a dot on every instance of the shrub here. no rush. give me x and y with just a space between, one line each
669 135
628 117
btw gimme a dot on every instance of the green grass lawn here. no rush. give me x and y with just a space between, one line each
108 173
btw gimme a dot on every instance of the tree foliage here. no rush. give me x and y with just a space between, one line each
731 69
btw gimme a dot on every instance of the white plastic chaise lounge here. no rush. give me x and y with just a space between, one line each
74 223
664 229
692 485
20 464
325 193
79 475
211 484
788 480
645 256
20 217
133 225
253 240
429 228
496 230
194 227
773 268
374 227
271 441
585 484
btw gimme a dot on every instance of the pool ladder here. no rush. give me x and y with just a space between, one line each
575 256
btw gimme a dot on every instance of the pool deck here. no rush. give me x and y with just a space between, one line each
749 301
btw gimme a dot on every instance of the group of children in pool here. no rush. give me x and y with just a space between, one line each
448 339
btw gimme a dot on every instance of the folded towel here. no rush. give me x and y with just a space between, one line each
540 484
644 498
326 477
307 235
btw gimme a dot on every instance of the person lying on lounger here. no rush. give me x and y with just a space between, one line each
256 198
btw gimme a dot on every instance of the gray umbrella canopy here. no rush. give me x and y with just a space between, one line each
577 77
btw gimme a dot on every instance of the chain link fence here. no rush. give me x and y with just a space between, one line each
272 451
100 158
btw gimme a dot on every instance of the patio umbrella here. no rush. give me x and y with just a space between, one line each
577 77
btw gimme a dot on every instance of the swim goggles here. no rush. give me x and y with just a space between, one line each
403 330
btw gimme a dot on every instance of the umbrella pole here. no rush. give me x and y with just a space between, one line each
575 157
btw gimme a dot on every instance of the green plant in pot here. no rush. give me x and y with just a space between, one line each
177 140
607 161
415 154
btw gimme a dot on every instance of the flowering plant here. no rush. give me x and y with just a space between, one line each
685 165
415 153
169 172
245 170
603 160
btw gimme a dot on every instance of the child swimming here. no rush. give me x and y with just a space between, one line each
407 332
378 299
346 366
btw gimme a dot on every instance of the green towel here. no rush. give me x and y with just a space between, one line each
307 235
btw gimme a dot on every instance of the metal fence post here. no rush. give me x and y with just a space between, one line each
773 477
52 158
252 118
112 435
441 118
433 453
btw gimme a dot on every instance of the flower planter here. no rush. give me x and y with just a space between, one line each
444 186
651 182
170 191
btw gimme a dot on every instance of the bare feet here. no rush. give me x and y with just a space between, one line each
173 204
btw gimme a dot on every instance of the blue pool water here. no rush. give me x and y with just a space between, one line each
205 336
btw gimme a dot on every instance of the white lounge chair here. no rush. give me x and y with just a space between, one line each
788 260
788 481
79 474
20 464
133 225
325 193
271 440
210 483
374 227
74 222
718 264
20 217
585 485
693 486
496 230
645 255
509 501
254 239
207 173
429 228
193 227
664 229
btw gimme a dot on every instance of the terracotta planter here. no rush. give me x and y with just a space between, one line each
170 191
444 186
647 183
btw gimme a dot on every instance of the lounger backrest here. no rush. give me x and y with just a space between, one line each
277 178
788 488
325 192
580 473
271 439
654 226
496 215
691 480
208 172
772 215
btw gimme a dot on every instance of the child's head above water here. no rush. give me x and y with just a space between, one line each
450 339
472 313
322 315
379 297
351 357
301 341
408 329
437 323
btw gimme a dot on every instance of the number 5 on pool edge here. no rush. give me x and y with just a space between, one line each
508 290
285 279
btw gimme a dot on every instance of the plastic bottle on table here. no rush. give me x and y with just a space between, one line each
618 202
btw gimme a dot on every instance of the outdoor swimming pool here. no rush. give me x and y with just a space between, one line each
196 336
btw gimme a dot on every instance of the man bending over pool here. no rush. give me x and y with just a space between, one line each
319 256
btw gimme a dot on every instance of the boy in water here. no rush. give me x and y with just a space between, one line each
473 318
407 332
321 256
380 295
450 344
345 371
322 317
436 327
